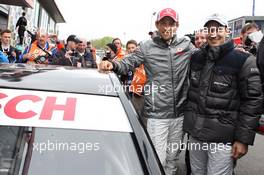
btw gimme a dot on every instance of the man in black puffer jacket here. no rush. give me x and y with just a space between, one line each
224 103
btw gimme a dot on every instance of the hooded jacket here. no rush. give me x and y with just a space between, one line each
166 67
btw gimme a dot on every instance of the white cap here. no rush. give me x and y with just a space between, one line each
218 18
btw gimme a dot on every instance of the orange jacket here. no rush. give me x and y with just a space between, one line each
36 51
139 80
120 54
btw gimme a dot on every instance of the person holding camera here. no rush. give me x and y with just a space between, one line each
40 51
91 49
110 52
68 56
9 51
250 37
85 57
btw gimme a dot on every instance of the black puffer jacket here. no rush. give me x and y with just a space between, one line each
260 59
224 100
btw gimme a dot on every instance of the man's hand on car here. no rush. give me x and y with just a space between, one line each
105 66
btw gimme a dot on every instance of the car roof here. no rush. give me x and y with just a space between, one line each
56 78
60 97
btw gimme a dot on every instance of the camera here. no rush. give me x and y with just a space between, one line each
252 41
107 55
73 53
253 38
41 59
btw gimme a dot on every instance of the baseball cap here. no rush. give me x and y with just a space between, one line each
168 12
218 18
73 38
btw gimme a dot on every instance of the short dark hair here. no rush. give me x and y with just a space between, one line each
24 14
248 26
115 40
5 31
131 42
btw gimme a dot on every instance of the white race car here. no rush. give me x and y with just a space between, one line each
66 121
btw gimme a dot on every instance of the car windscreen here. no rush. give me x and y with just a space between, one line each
31 151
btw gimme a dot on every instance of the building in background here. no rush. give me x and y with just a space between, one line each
4 9
42 14
237 24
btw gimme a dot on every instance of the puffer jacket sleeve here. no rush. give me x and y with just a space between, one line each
130 61
251 98
260 59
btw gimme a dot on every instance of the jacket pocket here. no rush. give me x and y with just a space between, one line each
221 84
222 81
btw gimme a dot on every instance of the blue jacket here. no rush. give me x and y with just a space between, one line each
3 58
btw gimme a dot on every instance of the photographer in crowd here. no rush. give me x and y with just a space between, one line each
253 42
9 51
85 58
110 52
91 49
250 37
68 56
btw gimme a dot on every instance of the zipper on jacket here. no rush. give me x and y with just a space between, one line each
172 81
152 96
